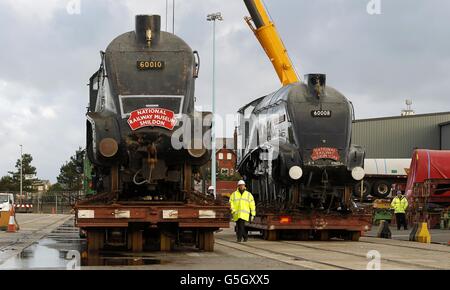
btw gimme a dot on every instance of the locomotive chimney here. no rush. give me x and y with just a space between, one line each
148 28
316 84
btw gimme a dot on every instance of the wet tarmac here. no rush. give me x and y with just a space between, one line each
64 249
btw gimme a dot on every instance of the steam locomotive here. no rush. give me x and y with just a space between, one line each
296 149
141 137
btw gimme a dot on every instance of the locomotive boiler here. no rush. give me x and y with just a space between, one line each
144 137
296 149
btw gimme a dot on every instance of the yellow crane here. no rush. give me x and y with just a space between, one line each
267 35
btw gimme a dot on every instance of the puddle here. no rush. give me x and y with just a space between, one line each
37 256
52 254
101 260
64 249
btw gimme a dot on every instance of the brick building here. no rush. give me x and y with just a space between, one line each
226 156
226 161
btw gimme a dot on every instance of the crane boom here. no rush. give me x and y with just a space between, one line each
267 35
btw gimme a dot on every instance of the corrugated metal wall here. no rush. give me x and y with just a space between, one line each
445 139
397 137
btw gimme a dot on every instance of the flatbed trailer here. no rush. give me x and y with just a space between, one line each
159 225
303 225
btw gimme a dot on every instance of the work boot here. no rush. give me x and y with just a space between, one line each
245 239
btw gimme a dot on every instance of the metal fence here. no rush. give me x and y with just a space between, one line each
46 202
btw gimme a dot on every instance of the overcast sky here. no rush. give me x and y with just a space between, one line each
48 53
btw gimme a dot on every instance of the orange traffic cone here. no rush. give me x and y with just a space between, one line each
12 223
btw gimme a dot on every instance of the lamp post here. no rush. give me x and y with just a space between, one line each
213 17
167 13
173 17
21 170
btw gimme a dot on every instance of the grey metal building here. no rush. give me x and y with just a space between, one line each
397 137
445 135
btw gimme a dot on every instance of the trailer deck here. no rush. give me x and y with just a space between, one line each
319 225
169 221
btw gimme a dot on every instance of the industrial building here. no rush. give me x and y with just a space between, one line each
397 137
445 135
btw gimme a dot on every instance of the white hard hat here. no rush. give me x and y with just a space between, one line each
211 188
241 182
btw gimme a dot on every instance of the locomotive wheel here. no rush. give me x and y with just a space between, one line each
381 188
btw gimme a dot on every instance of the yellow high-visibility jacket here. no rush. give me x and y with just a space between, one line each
242 205
399 204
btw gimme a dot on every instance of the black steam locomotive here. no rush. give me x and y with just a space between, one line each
141 137
296 147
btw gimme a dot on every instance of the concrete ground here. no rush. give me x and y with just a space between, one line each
437 236
45 241
258 254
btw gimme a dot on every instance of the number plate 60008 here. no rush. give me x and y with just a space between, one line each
321 113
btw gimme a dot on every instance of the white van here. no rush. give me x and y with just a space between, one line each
6 201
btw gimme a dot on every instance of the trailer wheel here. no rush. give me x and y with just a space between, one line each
381 188
367 189
303 235
165 243
209 241
136 241
323 235
206 241
270 235
95 239
351 235
354 236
